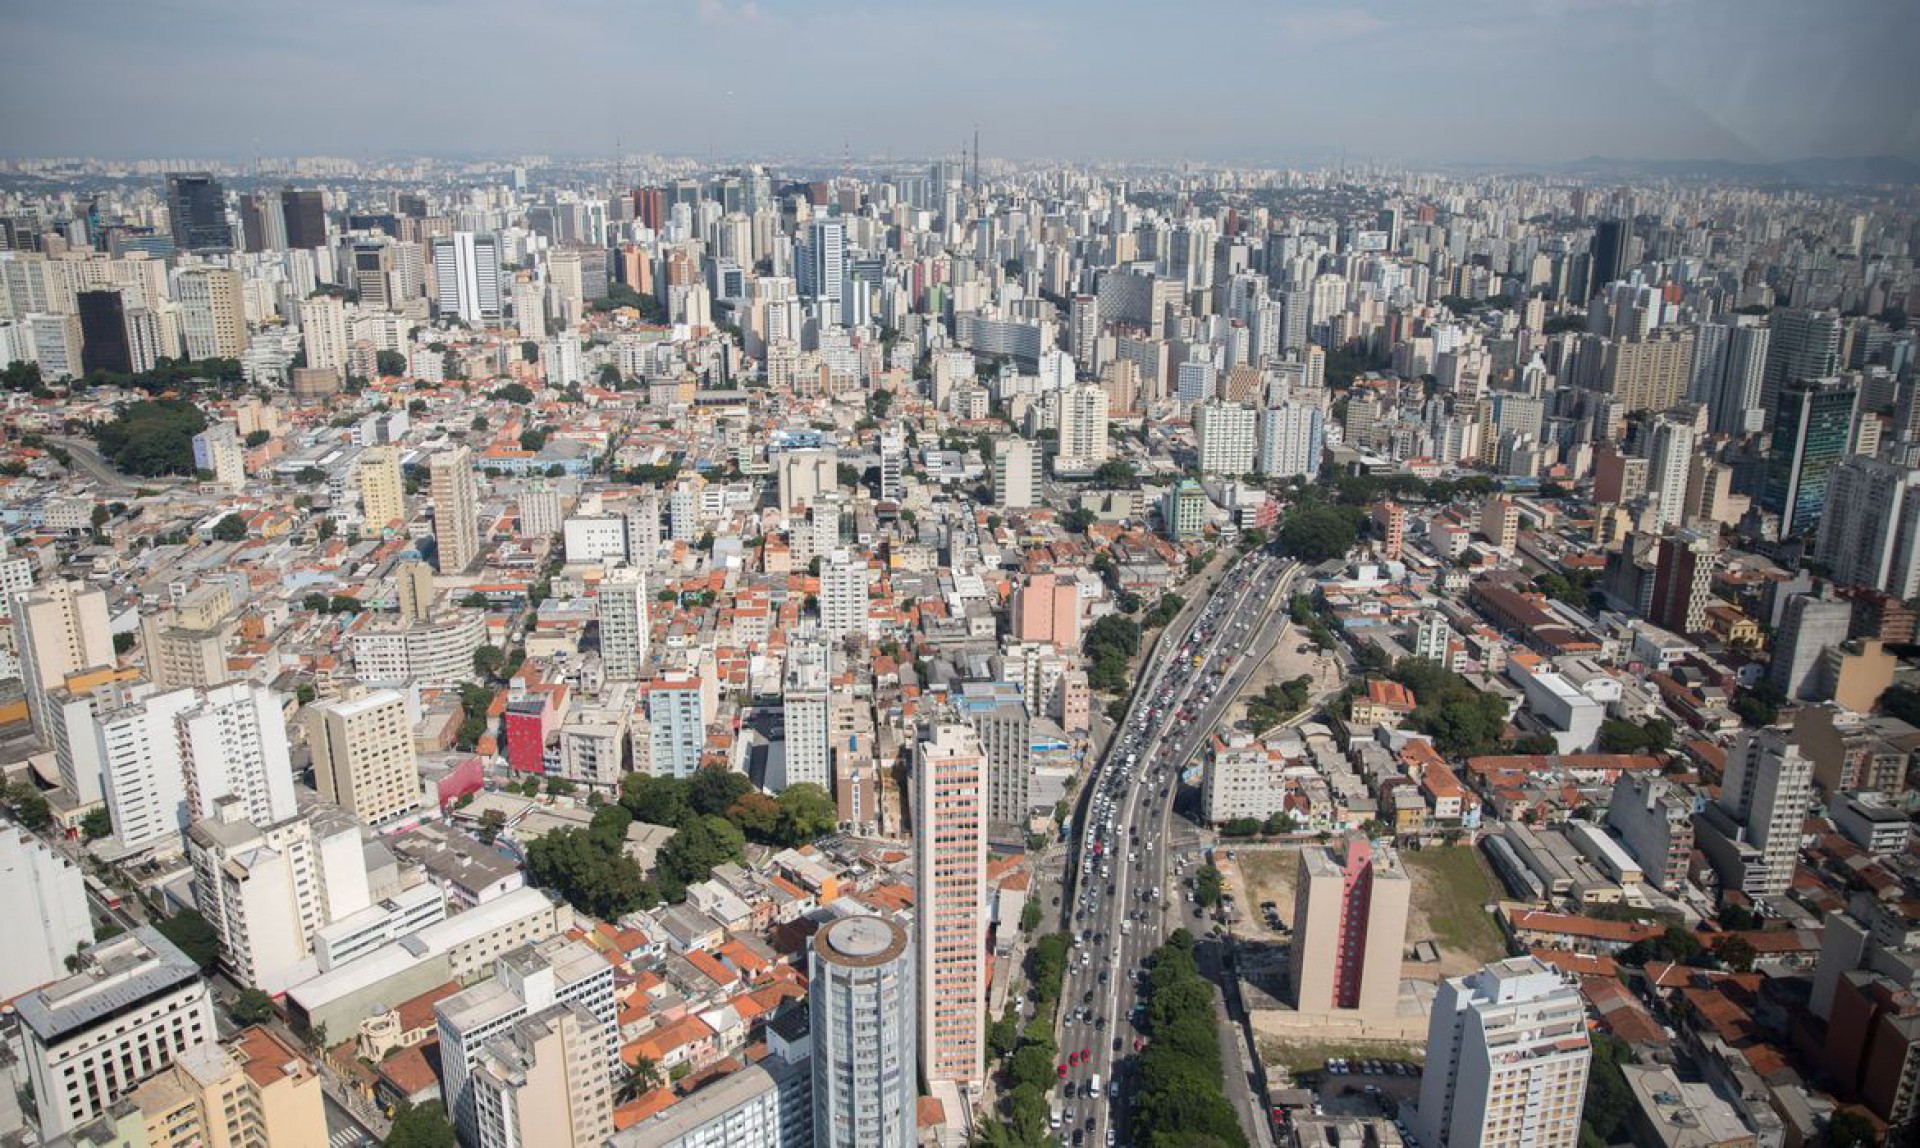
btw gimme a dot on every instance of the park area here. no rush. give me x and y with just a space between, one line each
1451 889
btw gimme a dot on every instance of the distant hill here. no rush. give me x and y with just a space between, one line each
1855 170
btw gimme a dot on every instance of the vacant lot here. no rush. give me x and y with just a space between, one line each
1299 1056
1451 890
1266 875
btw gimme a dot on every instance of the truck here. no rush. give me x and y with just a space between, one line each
1093 1089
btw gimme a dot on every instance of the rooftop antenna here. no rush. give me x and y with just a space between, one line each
976 159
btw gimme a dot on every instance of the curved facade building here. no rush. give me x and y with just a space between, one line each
864 1072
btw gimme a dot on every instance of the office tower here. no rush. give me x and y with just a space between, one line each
544 1081
1870 532
197 212
528 982
257 1089
1291 437
843 596
213 319
1350 924
1808 626
235 740
1226 438
1083 426
1812 434
216 450
1608 249
893 466
456 509
624 623
371 264
1648 374
323 332
466 269
821 266
43 899
950 900
806 717
1765 793
133 1006
262 227
805 475
104 345
1507 1055
413 581
1016 473
1804 347
383 491
305 217
363 757
268 886
60 629
860 997
1001 721
676 723
1683 572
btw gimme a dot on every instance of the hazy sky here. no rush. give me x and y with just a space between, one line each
1251 80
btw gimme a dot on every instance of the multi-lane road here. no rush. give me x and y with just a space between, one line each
1124 880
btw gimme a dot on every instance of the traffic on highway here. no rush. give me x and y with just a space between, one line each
1126 887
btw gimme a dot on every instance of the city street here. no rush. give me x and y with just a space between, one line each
1123 823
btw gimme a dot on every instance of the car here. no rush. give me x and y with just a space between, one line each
1061 1071
1086 1054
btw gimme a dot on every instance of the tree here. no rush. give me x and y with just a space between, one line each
487 661
1850 1128
1030 916
1315 533
390 364
643 1076
1735 952
1078 519
656 800
807 813
711 792
420 1126
151 437
1115 474
232 528
28 806
533 440
98 823
192 935
1208 884
757 815
492 822
252 1007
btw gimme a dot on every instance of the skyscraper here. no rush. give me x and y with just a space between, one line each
1350 923
1669 459
1808 625
1083 426
323 333
305 215
213 320
822 267
261 226
1291 437
1016 473
1812 433
1609 251
1004 725
622 604
60 629
456 510
1683 571
235 738
1226 438
950 902
806 717
197 212
860 995
1804 346
843 596
104 345
1507 1056
466 268
363 759
676 724
1753 833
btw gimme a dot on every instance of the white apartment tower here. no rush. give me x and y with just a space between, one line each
860 989
1507 1058
456 510
1225 431
466 272
235 739
623 623
59 629
1016 473
843 596
1083 426
806 717
43 899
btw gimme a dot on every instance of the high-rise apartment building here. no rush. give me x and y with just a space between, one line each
216 450
676 723
255 1089
1226 437
820 266
843 597
213 318
383 491
1685 563
197 212
235 740
1350 924
262 228
860 989
1291 438
1648 374
1812 434
466 270
456 509
528 982
1752 834
1016 473
60 629
323 333
1669 460
545 1081
1869 534
43 900
1507 1056
363 757
806 716
143 766
132 1007
622 602
1082 426
1653 817
1808 626
950 902
1004 726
